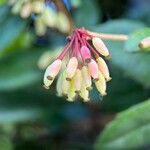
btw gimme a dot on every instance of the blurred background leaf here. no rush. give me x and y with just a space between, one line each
135 38
129 130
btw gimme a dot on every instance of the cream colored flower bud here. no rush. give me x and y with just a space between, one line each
53 69
103 68
59 85
62 22
100 46
40 27
93 69
84 94
16 7
71 68
78 81
86 78
101 84
47 83
71 91
49 17
65 84
37 6
26 10
145 43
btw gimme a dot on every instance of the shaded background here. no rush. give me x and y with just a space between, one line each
34 118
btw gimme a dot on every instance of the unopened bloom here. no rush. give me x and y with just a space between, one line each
103 68
83 66
71 68
145 43
100 46
46 16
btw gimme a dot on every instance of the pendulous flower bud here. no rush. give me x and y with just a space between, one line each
100 46
71 68
86 78
101 84
71 91
59 85
78 81
65 85
84 94
53 69
86 55
93 69
103 68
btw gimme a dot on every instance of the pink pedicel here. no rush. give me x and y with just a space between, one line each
81 63
85 53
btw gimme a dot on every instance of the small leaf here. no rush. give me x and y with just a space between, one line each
129 130
135 38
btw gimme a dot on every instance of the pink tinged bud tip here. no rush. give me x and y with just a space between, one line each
93 70
53 69
86 55
103 68
101 84
100 46
71 68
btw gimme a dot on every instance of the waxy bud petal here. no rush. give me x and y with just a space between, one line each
100 46
78 81
93 69
103 68
71 92
71 68
86 78
47 82
145 43
26 10
84 93
86 55
101 84
65 84
53 69
59 85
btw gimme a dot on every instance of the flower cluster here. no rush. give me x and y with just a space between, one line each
46 15
81 64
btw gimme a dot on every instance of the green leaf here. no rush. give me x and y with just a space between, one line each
86 14
129 130
5 143
10 30
18 115
2 2
119 26
135 38
19 70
